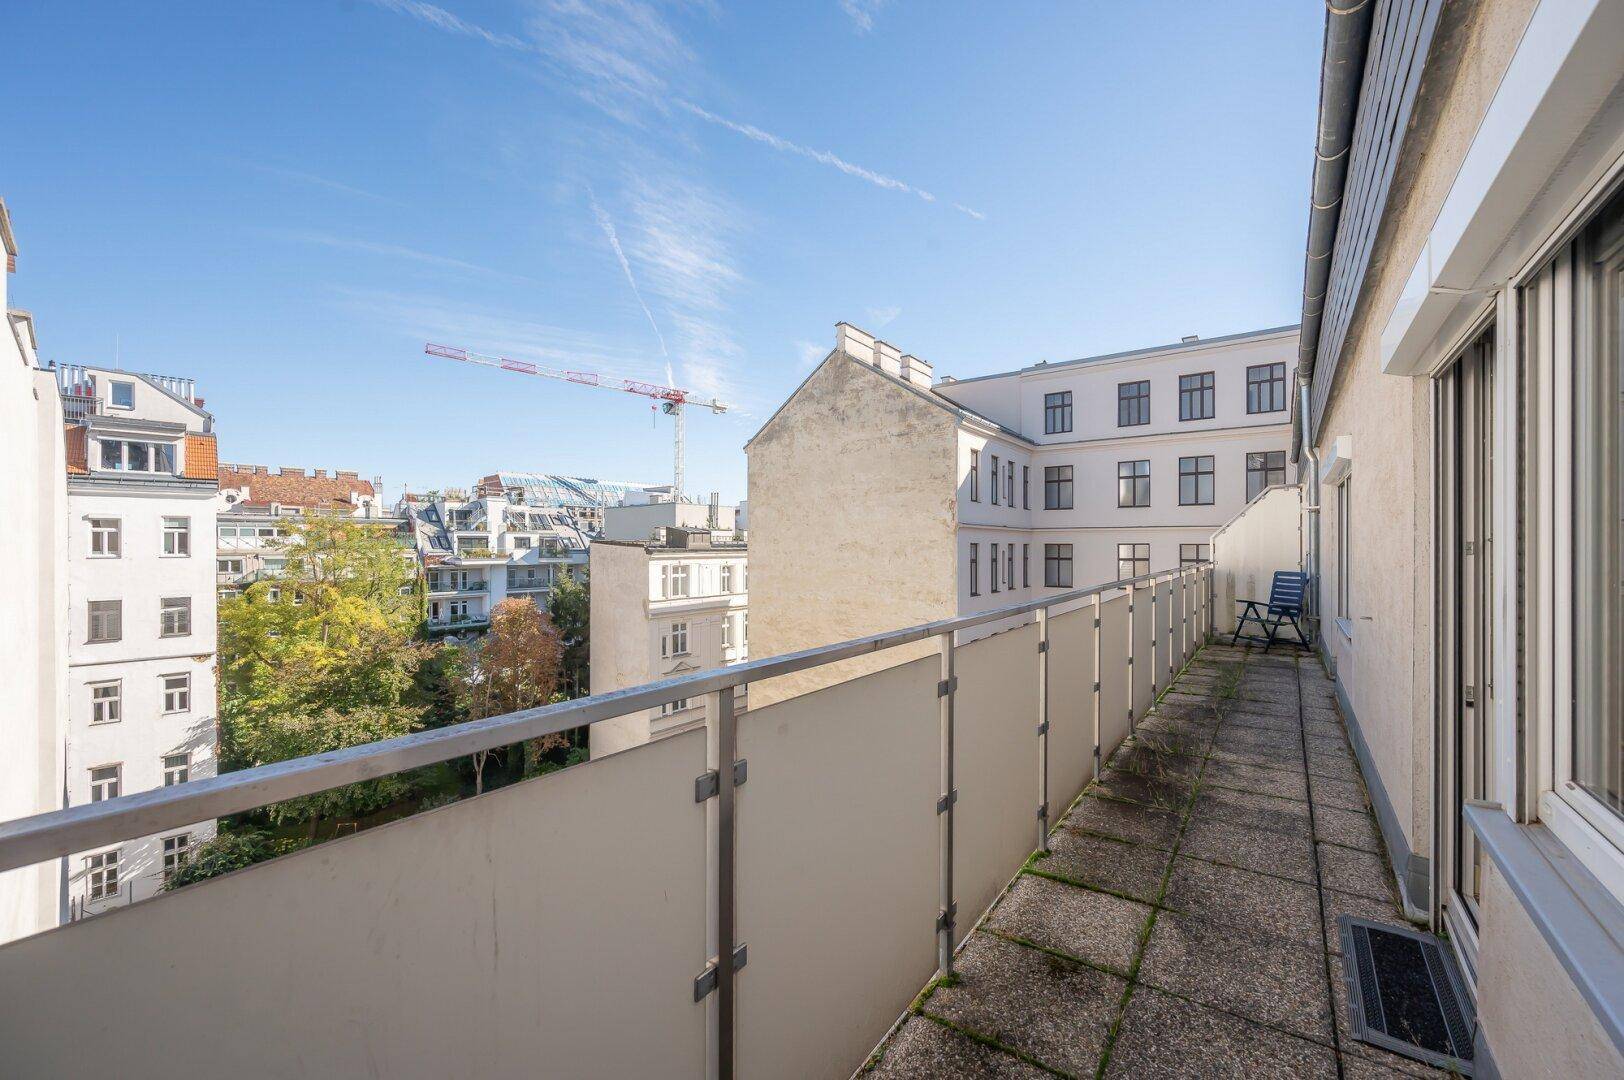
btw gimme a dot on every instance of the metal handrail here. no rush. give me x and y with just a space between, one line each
30 840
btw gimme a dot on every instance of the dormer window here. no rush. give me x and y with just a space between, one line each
122 395
130 456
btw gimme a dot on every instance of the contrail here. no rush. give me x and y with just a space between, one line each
750 131
608 227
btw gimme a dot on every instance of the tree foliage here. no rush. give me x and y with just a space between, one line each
514 666
570 606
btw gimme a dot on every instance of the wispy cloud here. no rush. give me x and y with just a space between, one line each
394 251
320 181
824 157
862 12
882 316
808 355
620 55
441 19
608 226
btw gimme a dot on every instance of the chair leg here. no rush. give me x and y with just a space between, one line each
1272 627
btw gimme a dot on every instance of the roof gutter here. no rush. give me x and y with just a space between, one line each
1347 37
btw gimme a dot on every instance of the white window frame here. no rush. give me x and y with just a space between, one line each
177 699
106 787
727 577
175 850
115 699
165 610
177 537
100 530
114 386
674 581
674 642
177 767
1344 553
101 875
124 456
90 622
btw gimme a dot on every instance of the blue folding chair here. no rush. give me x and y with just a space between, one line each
1285 605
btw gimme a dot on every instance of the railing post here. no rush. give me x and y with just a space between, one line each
1172 660
945 690
1097 635
1184 611
1043 729
722 750
1153 629
1132 590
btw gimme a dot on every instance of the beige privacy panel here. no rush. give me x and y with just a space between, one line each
1071 707
496 936
1114 674
1143 662
996 749
837 869
1166 644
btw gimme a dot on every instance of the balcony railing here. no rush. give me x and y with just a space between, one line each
447 585
600 919
77 408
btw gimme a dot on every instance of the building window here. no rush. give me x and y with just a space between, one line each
105 538
106 702
727 577
177 693
101 875
106 621
1009 565
176 848
177 768
673 706
1057 413
228 566
523 543
1195 481
975 569
1026 566
176 616
1193 554
124 455
1133 404
1009 483
675 643
122 395
1264 469
1026 487
1344 544
673 580
1133 560
1196 396
1057 487
992 579
1057 566
105 782
727 631
994 499
975 476
177 536
1266 388
1133 483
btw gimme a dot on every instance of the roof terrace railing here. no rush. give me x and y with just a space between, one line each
1100 670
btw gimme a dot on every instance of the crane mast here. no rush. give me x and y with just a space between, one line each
673 400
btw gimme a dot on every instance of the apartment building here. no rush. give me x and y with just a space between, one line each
1047 477
478 552
673 602
34 632
1461 357
581 499
142 480
255 504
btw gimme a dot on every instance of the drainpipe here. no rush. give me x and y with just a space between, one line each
1347 37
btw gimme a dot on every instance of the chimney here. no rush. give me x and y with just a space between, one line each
262 470
888 358
715 510
854 342
289 470
918 372
345 474
319 474
1190 337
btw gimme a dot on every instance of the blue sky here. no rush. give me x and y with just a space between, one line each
285 201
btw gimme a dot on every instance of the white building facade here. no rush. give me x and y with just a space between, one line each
255 505
664 607
141 486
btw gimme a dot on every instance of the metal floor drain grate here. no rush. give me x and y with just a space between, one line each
1405 995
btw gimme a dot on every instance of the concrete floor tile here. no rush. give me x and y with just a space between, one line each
1134 870
1357 872
1146 758
1341 767
1270 757
1240 716
1239 737
1338 794
1192 717
1092 926
1164 793
1281 783
1274 982
1337 903
1057 1011
1133 822
1252 810
1166 1037
925 1050
1250 849
1346 827
1258 903
1190 744
1276 692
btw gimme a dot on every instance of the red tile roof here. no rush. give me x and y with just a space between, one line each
78 463
202 458
294 489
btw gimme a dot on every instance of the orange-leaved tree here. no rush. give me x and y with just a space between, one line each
515 666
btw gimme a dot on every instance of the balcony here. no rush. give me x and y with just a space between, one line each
839 849
440 586
453 622
77 408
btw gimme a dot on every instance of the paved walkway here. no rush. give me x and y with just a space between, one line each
1184 922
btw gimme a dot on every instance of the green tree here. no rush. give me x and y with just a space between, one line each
323 658
514 666
570 607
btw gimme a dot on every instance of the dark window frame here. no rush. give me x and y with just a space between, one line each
1265 470
995 479
1128 564
1198 401
1265 388
1138 483
1057 413
1057 487
1133 403
975 569
1057 566
975 476
1190 468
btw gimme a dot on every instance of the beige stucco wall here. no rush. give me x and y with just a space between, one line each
1533 1017
1263 538
1385 665
620 648
851 487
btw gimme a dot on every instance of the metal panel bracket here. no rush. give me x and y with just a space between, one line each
946 801
1043 646
1043 728
705 982
945 917
706 785
947 686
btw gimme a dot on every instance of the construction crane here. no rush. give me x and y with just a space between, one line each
673 401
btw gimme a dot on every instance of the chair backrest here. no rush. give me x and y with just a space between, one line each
1286 593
